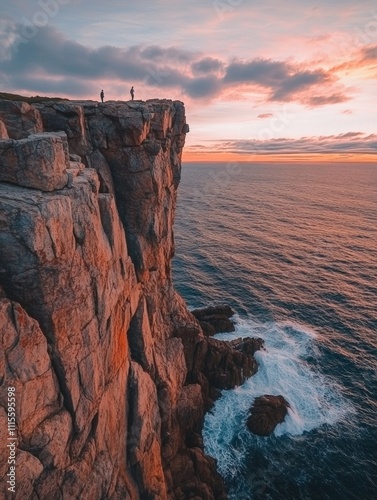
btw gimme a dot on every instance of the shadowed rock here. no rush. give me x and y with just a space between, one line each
216 364
215 319
19 119
248 345
266 413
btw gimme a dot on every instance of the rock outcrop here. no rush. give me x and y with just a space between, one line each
40 161
266 413
215 319
112 374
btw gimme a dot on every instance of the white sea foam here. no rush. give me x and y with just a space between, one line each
315 400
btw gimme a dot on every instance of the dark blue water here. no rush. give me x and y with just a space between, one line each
294 250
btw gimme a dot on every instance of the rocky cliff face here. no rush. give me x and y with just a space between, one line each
112 374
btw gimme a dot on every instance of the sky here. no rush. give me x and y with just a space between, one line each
261 80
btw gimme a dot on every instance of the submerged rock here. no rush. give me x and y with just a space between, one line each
266 413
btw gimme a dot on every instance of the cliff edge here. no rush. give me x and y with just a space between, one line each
110 373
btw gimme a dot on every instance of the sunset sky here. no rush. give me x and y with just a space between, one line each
260 79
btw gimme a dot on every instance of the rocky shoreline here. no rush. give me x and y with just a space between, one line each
112 373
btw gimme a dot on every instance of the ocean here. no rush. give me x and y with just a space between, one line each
293 249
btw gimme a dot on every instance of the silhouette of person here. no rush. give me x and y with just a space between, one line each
102 95
132 92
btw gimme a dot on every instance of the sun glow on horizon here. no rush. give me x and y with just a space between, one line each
214 157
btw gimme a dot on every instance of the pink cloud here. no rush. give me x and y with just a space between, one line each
68 66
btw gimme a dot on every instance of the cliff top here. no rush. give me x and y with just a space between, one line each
30 100
51 100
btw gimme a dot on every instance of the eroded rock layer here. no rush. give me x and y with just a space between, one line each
112 374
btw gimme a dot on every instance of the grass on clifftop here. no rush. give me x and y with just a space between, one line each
30 100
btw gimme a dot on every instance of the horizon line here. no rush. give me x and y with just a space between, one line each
278 158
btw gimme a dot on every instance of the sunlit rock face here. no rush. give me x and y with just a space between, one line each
112 374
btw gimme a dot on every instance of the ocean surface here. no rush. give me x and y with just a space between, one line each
293 249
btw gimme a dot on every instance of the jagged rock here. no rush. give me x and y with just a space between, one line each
226 367
25 365
247 345
266 413
215 319
215 364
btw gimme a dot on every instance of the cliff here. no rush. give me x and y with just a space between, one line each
112 374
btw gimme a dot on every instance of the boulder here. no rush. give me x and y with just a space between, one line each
266 413
215 319
248 345
40 161
221 309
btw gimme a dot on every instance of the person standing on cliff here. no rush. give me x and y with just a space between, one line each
102 95
132 92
